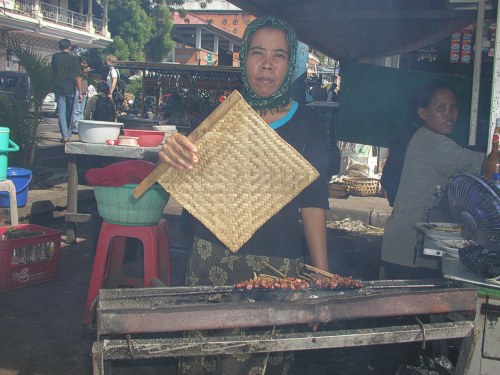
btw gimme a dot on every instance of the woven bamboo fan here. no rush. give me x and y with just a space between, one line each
246 173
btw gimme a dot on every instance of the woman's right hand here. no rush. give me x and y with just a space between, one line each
179 152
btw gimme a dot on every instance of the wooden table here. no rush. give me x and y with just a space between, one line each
77 149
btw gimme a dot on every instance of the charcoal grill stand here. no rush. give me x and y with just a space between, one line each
130 312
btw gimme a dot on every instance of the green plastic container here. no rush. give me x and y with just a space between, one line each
117 205
6 146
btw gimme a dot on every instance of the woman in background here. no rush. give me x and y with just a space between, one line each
431 159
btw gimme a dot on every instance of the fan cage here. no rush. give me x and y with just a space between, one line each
476 202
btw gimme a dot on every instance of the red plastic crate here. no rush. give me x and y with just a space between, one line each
29 261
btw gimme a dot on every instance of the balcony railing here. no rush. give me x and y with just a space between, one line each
58 15
63 16
98 26
24 7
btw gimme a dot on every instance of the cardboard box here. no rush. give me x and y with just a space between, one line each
29 260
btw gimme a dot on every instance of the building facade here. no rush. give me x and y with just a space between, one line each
232 21
200 41
42 24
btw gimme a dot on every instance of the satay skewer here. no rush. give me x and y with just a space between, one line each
317 270
305 276
273 269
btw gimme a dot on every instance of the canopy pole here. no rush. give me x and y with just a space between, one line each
476 78
495 90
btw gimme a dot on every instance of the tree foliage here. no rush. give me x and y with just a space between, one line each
160 45
141 29
131 28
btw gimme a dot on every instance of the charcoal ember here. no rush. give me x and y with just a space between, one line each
482 261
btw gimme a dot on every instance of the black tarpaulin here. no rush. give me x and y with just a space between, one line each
374 103
358 29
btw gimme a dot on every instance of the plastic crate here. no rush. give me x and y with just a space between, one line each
30 260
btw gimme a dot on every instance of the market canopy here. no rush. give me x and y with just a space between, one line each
357 29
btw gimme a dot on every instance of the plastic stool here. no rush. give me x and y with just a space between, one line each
110 251
9 187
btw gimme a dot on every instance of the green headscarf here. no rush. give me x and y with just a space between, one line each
280 98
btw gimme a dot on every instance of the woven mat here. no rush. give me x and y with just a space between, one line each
246 173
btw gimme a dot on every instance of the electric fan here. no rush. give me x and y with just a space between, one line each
476 202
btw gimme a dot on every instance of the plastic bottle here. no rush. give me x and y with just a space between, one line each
493 159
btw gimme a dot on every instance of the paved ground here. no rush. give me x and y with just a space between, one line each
41 330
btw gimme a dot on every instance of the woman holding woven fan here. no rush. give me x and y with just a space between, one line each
267 56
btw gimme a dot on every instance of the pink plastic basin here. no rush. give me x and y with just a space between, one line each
147 138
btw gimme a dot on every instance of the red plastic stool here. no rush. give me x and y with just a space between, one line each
108 260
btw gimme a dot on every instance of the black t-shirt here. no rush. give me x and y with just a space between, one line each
65 59
281 235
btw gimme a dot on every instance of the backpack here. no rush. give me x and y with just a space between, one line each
104 110
119 91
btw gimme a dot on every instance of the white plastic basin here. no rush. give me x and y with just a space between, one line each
91 131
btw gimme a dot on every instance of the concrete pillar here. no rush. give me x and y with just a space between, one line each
216 44
198 38
476 79
37 10
90 19
495 90
105 18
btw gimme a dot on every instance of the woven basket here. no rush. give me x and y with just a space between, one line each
246 173
337 190
361 186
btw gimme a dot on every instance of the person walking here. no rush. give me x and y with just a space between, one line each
65 89
79 106
332 93
112 78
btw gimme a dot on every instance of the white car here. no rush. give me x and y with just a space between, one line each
49 105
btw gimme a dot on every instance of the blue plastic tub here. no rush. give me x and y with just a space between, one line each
21 178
